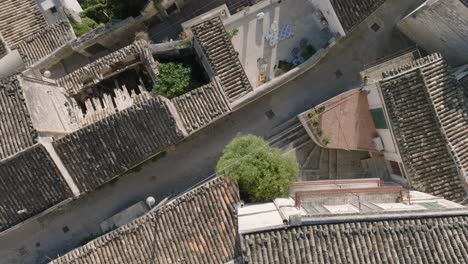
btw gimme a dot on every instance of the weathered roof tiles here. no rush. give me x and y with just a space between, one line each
201 106
93 72
20 20
217 46
427 113
44 42
30 183
16 129
103 150
352 12
199 226
422 240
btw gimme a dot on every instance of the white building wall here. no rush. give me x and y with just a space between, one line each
440 26
328 12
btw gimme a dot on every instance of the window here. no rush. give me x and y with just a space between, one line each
395 166
379 118
173 8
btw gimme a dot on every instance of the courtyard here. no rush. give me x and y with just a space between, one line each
272 38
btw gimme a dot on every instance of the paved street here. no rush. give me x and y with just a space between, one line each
195 158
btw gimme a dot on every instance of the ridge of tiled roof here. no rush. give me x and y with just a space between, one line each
199 226
44 42
201 106
75 81
30 183
103 150
437 239
224 61
20 20
352 12
428 116
16 129
3 49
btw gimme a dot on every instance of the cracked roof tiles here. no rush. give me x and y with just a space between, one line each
30 183
199 226
103 150
352 12
428 115
216 44
16 129
423 240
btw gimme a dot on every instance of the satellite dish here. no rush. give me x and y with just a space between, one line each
47 74
150 201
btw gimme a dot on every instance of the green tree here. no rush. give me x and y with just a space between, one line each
173 79
84 27
262 173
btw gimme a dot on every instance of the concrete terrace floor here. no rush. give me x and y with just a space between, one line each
194 159
250 40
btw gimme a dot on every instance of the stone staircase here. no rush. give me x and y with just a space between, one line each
288 136
316 163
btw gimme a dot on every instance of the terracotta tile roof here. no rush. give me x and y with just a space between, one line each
109 147
19 20
197 227
44 42
16 129
224 61
420 240
427 113
93 72
352 12
29 184
201 106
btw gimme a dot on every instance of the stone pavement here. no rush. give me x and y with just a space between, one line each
195 158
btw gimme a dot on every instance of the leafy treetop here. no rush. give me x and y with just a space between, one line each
262 173
173 79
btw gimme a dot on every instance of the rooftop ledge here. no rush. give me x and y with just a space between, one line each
343 122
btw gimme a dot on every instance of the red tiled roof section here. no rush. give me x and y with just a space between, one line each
200 226
352 12
346 121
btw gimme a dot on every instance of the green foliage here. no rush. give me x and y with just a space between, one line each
105 10
173 79
285 66
97 12
318 131
86 25
308 51
325 141
261 171
233 33
321 109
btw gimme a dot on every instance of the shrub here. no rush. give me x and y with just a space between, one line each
325 141
262 173
86 25
321 109
308 52
173 79
285 66
312 114
233 33
318 131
